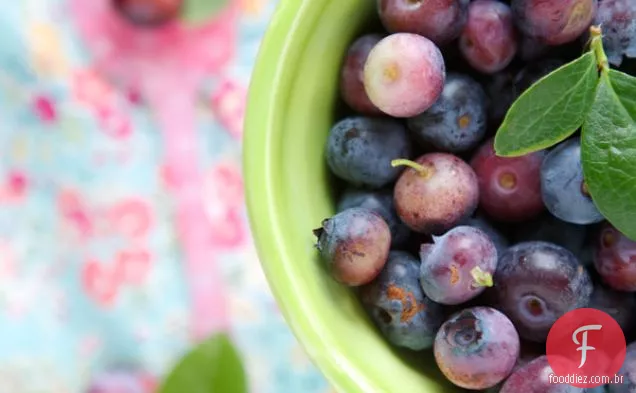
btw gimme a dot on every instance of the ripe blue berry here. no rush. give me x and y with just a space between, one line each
477 348
399 308
360 150
537 283
563 188
457 121
618 21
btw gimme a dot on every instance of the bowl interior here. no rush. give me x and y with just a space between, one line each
292 105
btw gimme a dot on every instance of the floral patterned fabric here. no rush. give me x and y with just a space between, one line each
109 256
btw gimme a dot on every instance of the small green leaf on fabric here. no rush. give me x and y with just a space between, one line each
214 366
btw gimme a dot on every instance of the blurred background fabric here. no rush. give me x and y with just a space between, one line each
93 269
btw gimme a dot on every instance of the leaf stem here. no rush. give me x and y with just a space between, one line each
596 45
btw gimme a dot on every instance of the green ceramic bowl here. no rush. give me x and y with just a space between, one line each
292 105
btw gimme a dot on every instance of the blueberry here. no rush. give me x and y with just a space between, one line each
618 305
457 121
440 21
554 22
538 282
397 305
564 191
501 95
436 193
627 372
531 49
404 74
534 377
149 13
550 229
489 40
477 348
618 21
458 265
615 259
499 240
381 202
352 75
527 353
509 187
355 245
360 150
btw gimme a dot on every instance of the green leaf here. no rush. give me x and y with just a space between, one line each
198 11
608 151
623 85
551 110
212 367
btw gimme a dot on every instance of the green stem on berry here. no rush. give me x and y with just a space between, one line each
421 169
596 44
482 279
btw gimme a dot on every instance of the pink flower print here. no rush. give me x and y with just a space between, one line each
131 54
101 282
131 217
212 45
149 382
168 177
75 213
228 229
91 90
228 105
45 109
114 122
224 202
224 185
134 96
101 98
133 266
15 188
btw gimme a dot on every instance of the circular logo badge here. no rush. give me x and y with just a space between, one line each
585 348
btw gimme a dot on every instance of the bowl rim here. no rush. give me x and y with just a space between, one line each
276 60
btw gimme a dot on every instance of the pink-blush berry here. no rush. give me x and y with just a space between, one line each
352 75
554 22
404 74
441 21
489 40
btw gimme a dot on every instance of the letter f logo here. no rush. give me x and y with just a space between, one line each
583 346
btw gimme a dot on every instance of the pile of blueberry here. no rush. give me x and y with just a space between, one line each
452 249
